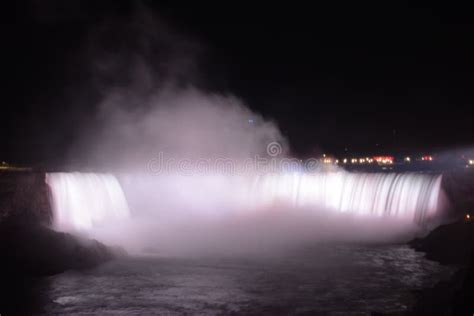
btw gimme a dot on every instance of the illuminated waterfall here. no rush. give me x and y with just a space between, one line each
404 195
81 201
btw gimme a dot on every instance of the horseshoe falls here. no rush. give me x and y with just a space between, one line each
82 201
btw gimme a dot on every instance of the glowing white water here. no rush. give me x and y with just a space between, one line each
405 195
83 200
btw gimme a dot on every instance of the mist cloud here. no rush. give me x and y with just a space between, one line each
152 101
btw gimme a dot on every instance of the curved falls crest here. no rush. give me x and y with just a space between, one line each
83 200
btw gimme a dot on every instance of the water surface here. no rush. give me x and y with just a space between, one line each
330 279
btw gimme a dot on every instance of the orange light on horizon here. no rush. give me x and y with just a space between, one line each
384 159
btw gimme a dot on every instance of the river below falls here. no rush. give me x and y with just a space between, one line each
341 279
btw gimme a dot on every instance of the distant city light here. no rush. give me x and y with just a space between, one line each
384 160
327 160
7 167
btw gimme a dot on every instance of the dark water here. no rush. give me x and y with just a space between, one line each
334 280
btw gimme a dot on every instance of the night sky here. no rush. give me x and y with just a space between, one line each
361 79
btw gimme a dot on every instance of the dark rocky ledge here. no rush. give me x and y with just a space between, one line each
24 197
27 245
36 250
449 244
30 251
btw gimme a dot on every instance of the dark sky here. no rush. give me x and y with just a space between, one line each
368 79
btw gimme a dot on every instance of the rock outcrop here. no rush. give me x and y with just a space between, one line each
37 250
449 244
24 197
27 245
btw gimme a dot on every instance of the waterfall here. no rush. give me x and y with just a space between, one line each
81 201
405 195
